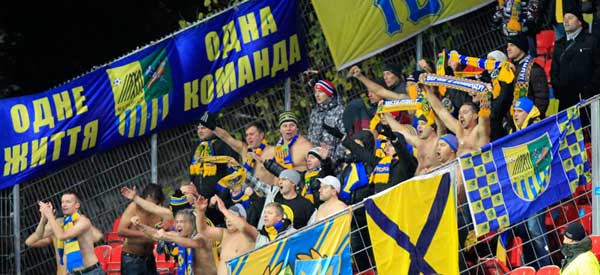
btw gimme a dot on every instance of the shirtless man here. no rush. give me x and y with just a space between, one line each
41 237
328 193
233 240
423 141
290 151
137 256
194 250
255 144
472 130
75 234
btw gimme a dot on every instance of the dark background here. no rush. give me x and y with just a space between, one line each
44 44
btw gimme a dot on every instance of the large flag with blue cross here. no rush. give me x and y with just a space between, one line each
413 227
514 177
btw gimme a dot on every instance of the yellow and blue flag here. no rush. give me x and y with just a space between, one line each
325 247
357 30
514 177
406 241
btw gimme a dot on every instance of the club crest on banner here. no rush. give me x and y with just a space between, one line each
529 167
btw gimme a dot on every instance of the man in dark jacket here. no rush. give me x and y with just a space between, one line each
530 78
575 69
579 259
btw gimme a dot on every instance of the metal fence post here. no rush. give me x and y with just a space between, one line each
419 50
154 158
287 96
595 125
17 228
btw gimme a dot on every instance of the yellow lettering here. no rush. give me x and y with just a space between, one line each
90 133
267 21
79 100
43 114
248 27
261 63
190 95
15 159
225 79
294 49
207 87
154 119
62 103
20 118
72 133
212 44
230 39
39 151
57 140
245 75
280 60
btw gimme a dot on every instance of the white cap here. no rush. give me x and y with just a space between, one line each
331 181
497 55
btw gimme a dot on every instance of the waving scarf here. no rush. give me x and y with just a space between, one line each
197 166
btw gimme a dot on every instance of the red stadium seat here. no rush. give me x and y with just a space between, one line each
515 252
524 270
113 239
545 42
114 264
116 224
163 266
549 270
492 266
596 245
585 212
103 255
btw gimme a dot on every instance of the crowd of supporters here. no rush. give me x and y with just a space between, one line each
246 193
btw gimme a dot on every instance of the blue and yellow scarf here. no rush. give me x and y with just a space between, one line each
307 192
273 231
381 173
242 199
197 167
185 262
357 177
283 155
249 161
70 247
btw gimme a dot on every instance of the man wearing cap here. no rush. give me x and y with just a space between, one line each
328 193
255 145
205 175
530 78
236 239
446 148
291 147
288 196
329 110
575 71
525 114
392 76
579 259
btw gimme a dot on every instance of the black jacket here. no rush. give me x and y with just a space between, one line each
576 69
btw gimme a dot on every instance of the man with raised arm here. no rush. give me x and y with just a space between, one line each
328 193
424 140
137 256
194 251
472 128
255 145
236 239
290 151
75 237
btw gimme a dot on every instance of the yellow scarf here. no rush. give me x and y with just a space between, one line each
306 191
283 156
249 161
381 173
198 167
70 247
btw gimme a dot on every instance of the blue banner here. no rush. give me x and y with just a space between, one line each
208 66
516 176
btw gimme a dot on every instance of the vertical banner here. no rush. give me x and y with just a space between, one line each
516 176
417 234
207 66
356 30
324 249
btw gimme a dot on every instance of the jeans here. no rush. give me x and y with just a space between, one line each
137 265
537 252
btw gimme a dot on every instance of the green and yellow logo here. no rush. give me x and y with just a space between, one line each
529 167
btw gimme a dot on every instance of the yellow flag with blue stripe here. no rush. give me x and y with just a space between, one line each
413 227
356 30
324 247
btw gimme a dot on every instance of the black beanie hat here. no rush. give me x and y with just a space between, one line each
577 12
575 232
520 40
395 69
